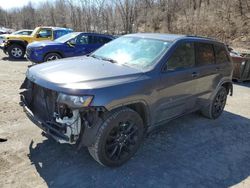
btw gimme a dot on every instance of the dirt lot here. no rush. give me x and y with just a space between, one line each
190 152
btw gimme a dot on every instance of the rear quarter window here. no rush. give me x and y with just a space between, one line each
204 54
221 54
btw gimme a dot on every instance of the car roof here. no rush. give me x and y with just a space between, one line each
171 37
61 28
159 36
56 28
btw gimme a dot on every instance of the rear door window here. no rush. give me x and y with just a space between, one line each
204 54
221 54
98 40
103 40
183 57
93 39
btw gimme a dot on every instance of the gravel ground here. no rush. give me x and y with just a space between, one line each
189 152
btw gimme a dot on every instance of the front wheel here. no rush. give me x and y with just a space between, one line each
52 56
118 138
16 51
216 106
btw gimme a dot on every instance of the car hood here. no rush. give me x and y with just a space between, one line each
43 43
80 73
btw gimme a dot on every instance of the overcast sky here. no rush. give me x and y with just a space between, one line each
7 4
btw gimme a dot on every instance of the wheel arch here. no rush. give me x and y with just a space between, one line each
229 87
142 109
89 132
139 106
22 43
57 52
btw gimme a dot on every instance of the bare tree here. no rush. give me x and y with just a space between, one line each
227 20
128 12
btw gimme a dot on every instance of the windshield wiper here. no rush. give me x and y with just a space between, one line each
104 58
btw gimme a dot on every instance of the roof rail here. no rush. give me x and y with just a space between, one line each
204 37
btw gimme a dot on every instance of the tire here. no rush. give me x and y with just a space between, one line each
52 57
118 138
16 51
216 106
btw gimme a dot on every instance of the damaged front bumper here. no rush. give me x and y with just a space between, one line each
41 107
55 131
51 131
66 118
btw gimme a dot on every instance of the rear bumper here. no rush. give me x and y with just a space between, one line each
52 130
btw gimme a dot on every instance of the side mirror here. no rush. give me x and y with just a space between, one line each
71 43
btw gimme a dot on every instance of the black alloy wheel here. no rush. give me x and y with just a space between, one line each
219 103
118 138
121 140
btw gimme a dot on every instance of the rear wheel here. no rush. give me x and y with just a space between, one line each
16 51
52 57
118 138
216 107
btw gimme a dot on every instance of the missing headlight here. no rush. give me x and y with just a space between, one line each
73 101
63 111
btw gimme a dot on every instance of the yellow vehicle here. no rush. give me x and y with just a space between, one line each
15 45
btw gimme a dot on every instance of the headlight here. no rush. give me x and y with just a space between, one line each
75 101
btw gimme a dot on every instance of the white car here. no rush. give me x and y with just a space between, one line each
20 32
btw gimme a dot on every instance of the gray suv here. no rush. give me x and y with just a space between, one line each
108 100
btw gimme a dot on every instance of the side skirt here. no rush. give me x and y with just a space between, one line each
158 126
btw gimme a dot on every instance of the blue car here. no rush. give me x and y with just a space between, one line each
69 45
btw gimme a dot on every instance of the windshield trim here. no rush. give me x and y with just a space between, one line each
35 31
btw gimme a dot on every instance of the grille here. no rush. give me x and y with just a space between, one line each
43 102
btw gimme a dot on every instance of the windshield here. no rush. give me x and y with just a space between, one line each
133 51
66 37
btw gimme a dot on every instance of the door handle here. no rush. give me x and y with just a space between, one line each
195 74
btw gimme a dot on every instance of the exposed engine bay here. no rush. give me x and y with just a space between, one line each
72 125
52 114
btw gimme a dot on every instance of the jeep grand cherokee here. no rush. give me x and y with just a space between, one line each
108 100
